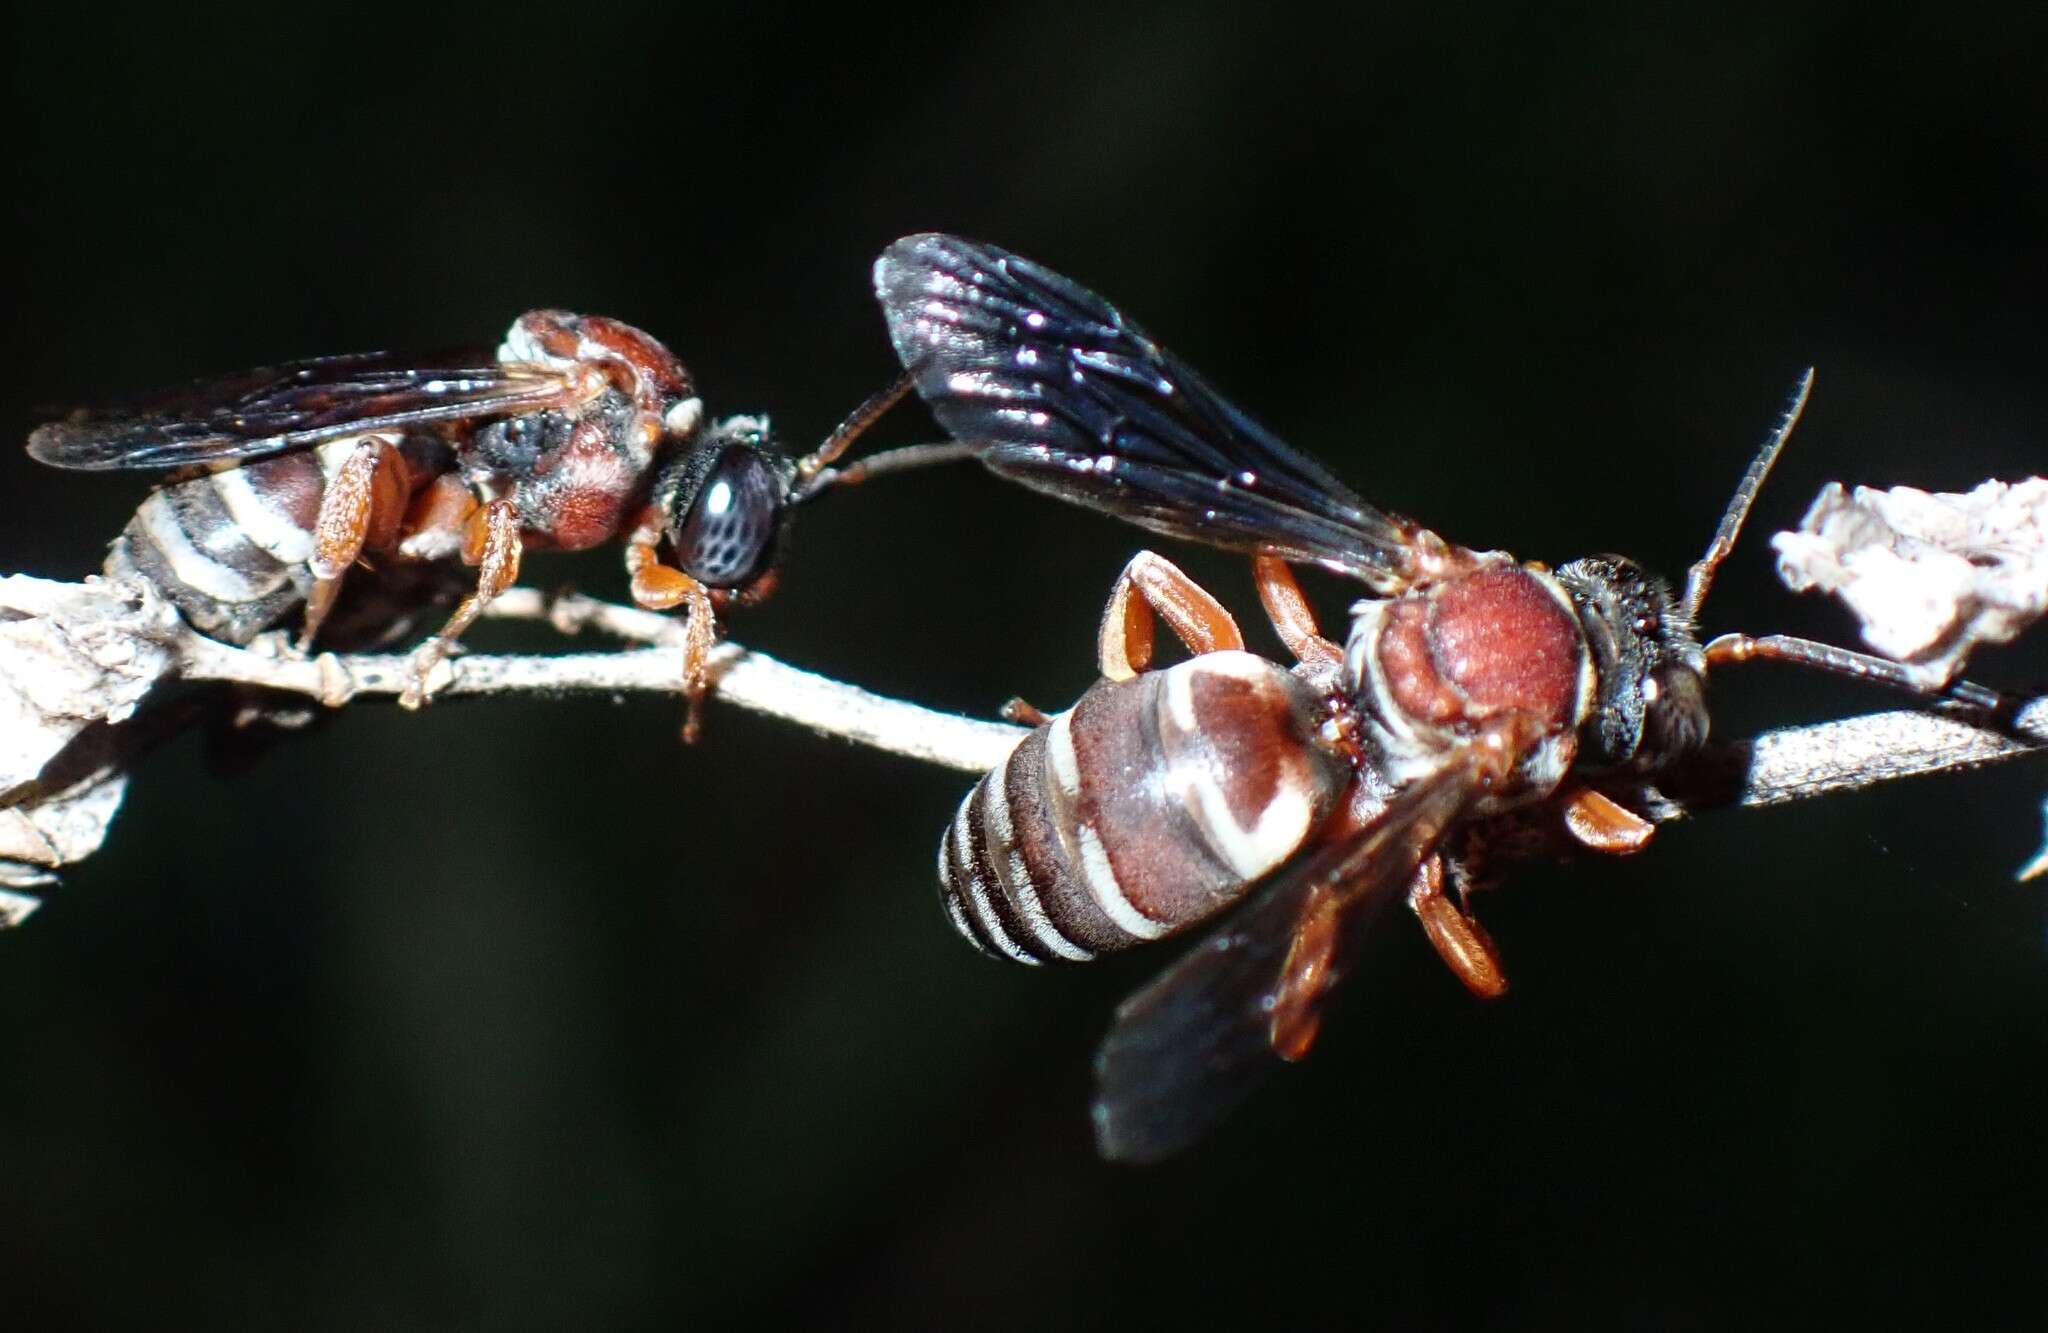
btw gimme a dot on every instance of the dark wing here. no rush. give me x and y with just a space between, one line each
294 406
1184 1051
1066 396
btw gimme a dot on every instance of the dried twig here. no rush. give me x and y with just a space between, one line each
1788 764
76 660
751 680
1828 758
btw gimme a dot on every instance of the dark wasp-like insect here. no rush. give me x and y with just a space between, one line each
581 429
1472 694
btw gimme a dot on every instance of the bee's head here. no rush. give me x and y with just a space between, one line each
1652 702
723 499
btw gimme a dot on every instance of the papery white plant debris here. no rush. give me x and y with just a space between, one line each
73 657
72 654
1930 575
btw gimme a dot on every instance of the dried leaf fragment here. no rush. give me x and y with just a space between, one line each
75 660
1931 576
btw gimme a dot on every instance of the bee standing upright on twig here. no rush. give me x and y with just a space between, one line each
580 430
1469 687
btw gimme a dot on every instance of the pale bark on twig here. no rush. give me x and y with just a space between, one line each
1787 764
77 660
742 677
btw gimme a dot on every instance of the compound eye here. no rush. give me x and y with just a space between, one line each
1674 714
725 538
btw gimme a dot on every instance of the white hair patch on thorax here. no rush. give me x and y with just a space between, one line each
684 418
521 345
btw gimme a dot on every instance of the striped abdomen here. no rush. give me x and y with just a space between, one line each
1150 805
229 548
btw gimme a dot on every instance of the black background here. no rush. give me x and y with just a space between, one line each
516 1014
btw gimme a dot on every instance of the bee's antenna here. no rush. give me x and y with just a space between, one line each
813 467
1806 652
892 460
1702 576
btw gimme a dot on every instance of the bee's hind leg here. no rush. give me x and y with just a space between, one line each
362 505
491 541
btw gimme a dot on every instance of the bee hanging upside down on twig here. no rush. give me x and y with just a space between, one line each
1471 694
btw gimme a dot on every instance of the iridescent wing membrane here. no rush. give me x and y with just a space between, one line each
1185 1050
1063 394
297 405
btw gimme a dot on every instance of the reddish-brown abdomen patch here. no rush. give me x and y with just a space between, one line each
291 483
1249 726
1239 718
1504 639
1166 876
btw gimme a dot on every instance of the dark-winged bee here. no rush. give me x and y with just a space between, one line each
1472 694
580 430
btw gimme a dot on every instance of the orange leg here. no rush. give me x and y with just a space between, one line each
364 500
1459 940
1198 620
660 587
1289 611
700 636
491 542
1307 974
1024 713
436 519
1604 825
